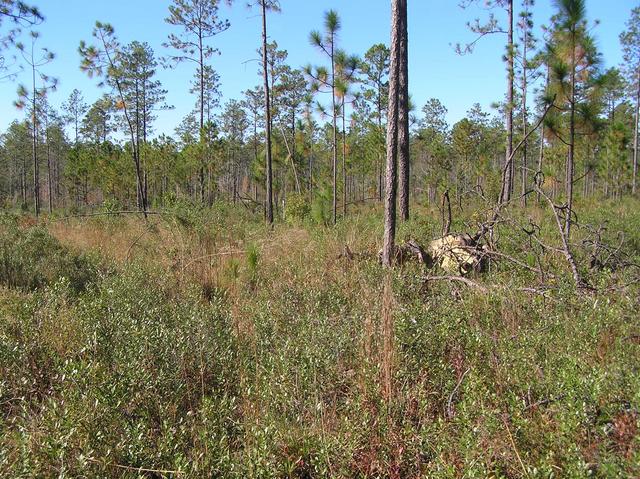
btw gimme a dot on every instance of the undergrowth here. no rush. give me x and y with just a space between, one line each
202 344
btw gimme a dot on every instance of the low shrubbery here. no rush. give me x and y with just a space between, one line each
31 258
265 355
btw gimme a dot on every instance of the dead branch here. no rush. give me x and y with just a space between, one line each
446 221
497 254
109 213
577 278
453 393
507 164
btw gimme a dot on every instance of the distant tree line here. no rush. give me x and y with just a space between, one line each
316 136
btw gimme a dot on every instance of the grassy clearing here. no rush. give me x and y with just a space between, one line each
203 345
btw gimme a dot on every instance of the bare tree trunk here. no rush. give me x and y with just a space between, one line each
507 180
542 134
635 140
335 128
388 249
23 182
379 161
311 166
201 80
403 116
49 179
572 140
36 169
525 118
267 106
344 158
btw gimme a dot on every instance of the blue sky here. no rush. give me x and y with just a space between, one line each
435 69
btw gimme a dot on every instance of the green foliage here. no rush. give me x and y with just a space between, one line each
284 377
32 258
297 208
321 207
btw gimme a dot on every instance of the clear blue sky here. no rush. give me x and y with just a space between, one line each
435 69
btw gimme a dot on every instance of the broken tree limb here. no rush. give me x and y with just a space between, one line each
446 221
577 278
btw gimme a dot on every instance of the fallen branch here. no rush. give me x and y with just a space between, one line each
109 213
487 289
446 221
497 254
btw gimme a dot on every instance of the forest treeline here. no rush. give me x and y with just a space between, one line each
563 115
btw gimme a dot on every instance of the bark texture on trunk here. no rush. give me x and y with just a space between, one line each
509 170
267 106
572 139
335 134
403 116
635 139
388 248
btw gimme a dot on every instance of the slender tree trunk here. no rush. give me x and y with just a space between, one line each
572 139
267 106
403 116
23 182
542 137
344 158
635 139
379 165
507 180
201 80
388 248
36 172
335 129
525 119
310 164
49 179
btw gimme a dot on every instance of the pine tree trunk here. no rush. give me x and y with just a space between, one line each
36 171
49 179
344 159
403 117
525 119
267 106
335 136
201 81
635 139
507 180
542 135
572 139
388 249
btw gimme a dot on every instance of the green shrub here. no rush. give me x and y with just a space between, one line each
31 258
297 208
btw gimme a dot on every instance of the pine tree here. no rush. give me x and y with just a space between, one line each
323 78
199 20
404 162
105 60
19 15
630 41
41 84
574 61
375 77
398 7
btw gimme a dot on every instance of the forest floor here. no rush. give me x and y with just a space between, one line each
203 344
